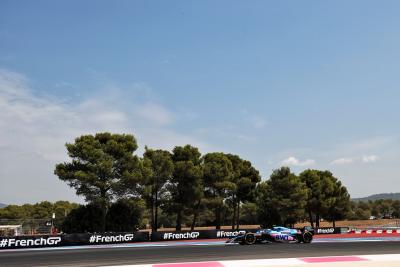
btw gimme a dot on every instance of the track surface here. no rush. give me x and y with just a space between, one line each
120 256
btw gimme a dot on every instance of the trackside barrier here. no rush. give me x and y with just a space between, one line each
193 235
124 237
215 234
71 240
111 238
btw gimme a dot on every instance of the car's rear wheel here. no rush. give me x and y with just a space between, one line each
249 239
307 237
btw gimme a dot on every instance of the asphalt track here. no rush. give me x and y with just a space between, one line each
148 255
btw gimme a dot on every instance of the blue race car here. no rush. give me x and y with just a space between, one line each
276 234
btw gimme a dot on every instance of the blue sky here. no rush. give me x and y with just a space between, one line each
308 84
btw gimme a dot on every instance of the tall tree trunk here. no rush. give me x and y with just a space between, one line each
234 215
218 218
196 213
103 204
311 219
152 215
179 221
156 212
317 220
238 215
333 221
103 218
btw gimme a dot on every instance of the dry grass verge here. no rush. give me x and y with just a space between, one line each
358 223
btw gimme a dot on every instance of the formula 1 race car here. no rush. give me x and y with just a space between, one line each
276 234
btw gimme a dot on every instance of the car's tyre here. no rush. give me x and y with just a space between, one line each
249 239
307 237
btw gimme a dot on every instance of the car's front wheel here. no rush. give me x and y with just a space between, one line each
249 239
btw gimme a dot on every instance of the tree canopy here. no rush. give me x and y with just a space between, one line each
186 187
189 189
245 179
282 198
217 182
99 164
327 196
160 169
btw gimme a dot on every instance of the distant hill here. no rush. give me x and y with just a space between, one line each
3 205
394 196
